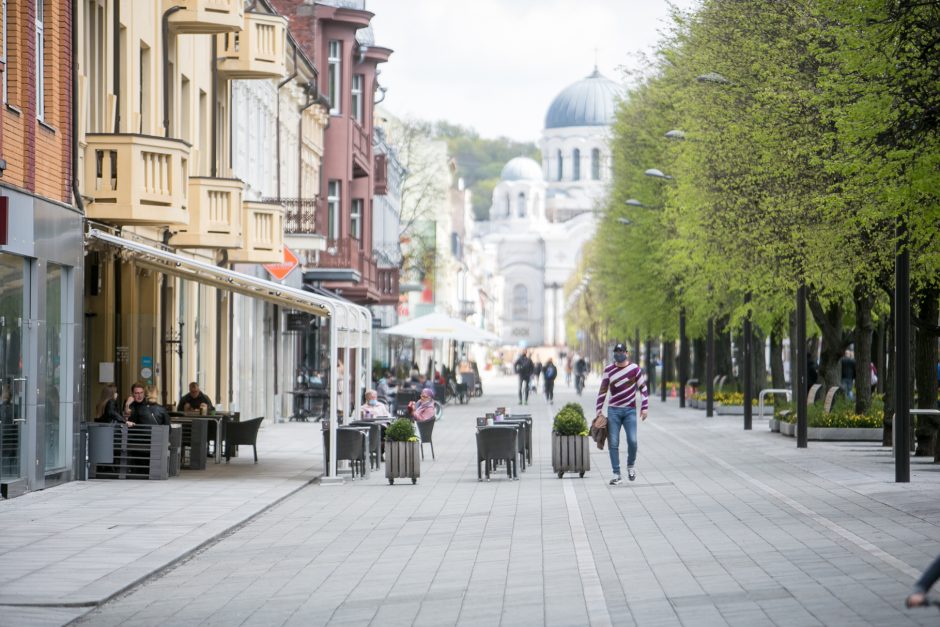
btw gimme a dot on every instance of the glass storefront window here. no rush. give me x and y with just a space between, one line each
12 382
54 427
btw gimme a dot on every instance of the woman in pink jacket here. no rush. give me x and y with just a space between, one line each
424 409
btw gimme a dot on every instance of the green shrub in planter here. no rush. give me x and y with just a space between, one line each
402 430
570 421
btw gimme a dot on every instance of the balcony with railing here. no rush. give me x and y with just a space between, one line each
136 179
205 16
262 234
362 149
301 222
387 285
215 214
258 51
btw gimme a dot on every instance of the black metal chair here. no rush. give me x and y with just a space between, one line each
375 440
351 445
524 439
497 444
402 398
426 430
242 433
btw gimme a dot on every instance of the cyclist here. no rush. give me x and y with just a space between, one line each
580 372
919 595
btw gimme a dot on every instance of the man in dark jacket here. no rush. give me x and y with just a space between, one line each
195 400
523 368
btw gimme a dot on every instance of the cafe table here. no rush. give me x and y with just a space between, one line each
218 417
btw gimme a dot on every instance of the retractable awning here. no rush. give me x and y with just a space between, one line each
209 274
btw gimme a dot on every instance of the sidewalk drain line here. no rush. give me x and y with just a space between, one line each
855 539
587 569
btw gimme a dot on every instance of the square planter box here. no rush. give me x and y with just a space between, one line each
787 428
402 461
774 425
571 453
730 410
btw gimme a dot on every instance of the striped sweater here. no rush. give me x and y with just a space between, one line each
622 383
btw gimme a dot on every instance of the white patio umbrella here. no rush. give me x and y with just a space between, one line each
437 326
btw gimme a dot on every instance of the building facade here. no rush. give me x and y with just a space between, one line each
41 250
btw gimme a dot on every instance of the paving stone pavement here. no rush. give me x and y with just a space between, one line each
721 527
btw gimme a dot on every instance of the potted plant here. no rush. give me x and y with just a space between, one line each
570 441
402 452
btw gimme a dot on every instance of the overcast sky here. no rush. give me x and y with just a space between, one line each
496 65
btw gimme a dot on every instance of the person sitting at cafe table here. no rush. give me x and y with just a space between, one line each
195 400
108 407
374 408
152 412
423 410
134 403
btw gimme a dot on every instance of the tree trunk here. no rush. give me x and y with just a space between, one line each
758 362
927 307
834 342
863 332
878 355
796 352
888 377
777 378
723 360
698 363
669 373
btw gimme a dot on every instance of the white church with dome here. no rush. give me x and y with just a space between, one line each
542 215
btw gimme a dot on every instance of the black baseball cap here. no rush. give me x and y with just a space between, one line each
620 348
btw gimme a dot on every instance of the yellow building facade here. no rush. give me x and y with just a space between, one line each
155 94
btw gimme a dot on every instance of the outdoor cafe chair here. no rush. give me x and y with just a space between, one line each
375 440
242 433
351 446
425 430
497 444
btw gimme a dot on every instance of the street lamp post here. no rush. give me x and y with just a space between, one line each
902 368
748 392
799 386
710 369
683 357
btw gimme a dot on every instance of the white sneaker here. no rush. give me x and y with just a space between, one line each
631 474
617 480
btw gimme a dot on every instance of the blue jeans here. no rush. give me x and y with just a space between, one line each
621 417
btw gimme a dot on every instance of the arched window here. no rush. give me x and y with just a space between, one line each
596 164
561 165
576 165
520 205
520 302
508 211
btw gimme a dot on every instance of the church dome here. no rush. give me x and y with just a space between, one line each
521 169
592 101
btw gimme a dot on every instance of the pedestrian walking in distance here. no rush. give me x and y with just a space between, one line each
523 368
622 379
549 372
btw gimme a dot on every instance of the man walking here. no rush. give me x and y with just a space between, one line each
622 379
523 368
548 374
